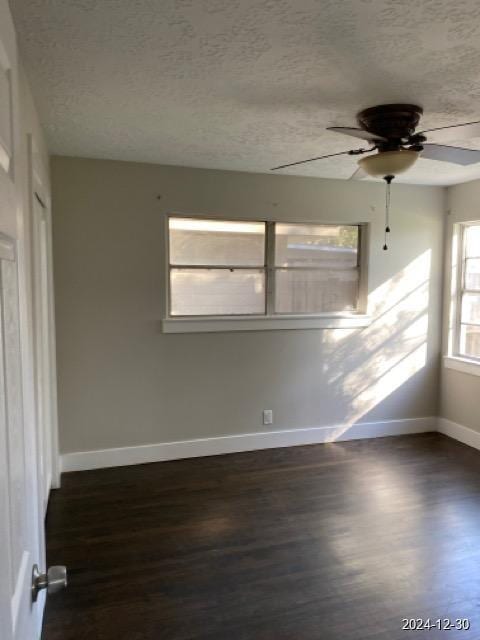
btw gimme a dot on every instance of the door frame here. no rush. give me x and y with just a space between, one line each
47 389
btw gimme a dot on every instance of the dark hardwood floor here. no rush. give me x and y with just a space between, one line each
328 542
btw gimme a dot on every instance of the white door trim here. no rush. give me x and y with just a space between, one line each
39 195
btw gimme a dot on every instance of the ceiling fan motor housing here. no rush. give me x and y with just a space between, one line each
396 122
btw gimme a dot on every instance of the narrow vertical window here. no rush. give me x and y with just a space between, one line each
468 316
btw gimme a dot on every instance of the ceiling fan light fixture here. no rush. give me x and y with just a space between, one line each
388 162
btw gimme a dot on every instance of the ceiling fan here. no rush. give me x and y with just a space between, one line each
390 128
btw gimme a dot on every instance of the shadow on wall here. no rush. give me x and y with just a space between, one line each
311 378
363 369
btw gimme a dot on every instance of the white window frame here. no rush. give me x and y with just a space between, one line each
454 359
270 320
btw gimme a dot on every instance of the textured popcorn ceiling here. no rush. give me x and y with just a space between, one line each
246 84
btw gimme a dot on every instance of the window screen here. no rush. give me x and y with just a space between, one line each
217 267
316 268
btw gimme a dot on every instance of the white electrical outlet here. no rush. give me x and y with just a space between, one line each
267 416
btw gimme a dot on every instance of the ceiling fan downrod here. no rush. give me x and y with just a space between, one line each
388 179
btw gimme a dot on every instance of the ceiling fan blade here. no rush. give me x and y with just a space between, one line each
358 133
465 131
455 155
330 155
359 174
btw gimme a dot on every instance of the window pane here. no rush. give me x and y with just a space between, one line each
216 242
470 341
217 291
470 308
472 273
472 241
308 245
304 291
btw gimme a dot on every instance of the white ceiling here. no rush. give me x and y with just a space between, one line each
246 84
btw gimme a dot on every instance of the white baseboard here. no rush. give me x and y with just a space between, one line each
459 432
83 460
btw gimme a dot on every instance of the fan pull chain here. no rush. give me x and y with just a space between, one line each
388 180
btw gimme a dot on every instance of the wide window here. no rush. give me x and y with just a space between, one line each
221 268
467 330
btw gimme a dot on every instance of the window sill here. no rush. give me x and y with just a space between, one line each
462 364
264 323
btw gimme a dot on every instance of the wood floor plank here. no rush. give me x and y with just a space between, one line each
338 541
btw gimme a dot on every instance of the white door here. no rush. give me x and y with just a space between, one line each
21 522
17 545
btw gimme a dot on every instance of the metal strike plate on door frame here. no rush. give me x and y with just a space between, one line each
54 580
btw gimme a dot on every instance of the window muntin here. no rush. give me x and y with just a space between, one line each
226 268
468 303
